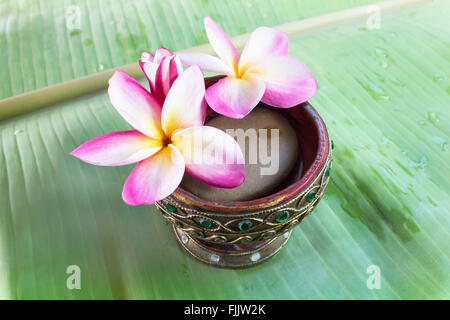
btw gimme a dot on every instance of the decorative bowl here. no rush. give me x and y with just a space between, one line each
238 234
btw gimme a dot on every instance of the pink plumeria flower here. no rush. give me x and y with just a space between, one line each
264 72
161 71
164 139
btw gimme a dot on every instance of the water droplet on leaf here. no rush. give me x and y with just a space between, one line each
382 57
440 141
432 117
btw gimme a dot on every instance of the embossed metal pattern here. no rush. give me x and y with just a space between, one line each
224 228
235 259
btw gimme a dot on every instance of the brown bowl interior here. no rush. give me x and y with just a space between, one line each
314 146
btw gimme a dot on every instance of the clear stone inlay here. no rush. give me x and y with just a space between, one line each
214 258
184 238
255 257
286 234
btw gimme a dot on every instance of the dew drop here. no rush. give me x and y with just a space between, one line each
438 77
382 57
432 117
378 76
374 90
419 165
75 32
440 141
397 82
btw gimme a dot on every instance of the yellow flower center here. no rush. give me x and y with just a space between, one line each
166 140
241 70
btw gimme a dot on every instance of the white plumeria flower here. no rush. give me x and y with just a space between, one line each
264 72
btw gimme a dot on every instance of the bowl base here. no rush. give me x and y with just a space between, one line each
231 256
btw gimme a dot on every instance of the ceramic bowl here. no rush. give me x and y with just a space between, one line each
237 234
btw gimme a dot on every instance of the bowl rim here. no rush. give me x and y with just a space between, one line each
275 198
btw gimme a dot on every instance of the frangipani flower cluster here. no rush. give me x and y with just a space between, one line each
166 137
264 72
170 138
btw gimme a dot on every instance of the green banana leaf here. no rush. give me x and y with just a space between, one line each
383 93
87 36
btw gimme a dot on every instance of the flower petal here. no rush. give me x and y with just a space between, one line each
146 57
117 148
263 43
235 98
135 104
167 72
288 80
149 70
211 155
161 83
161 53
175 69
185 105
205 62
155 178
221 43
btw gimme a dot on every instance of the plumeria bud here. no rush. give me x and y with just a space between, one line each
161 71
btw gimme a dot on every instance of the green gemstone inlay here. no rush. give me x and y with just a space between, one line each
205 223
283 216
245 225
332 144
328 172
311 196
171 208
